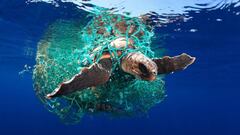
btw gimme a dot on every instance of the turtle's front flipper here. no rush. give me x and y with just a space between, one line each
171 64
95 75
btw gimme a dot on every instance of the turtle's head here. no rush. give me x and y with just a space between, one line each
148 70
140 66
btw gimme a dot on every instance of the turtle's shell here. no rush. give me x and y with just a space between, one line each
67 47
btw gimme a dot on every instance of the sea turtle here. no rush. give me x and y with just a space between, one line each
119 64
134 63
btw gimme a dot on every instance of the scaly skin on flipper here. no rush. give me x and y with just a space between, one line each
171 64
95 75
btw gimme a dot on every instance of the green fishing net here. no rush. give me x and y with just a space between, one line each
68 46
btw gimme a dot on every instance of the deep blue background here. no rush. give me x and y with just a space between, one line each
202 100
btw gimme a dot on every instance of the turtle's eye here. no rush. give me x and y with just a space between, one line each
143 68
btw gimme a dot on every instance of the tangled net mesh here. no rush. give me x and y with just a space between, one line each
67 47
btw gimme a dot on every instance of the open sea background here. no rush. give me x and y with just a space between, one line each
202 100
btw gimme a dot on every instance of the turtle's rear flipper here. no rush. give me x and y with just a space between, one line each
171 64
95 75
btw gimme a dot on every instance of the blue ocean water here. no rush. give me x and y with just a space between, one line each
202 100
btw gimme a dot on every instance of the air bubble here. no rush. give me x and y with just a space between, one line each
193 30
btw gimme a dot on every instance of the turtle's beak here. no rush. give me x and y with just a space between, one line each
150 77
